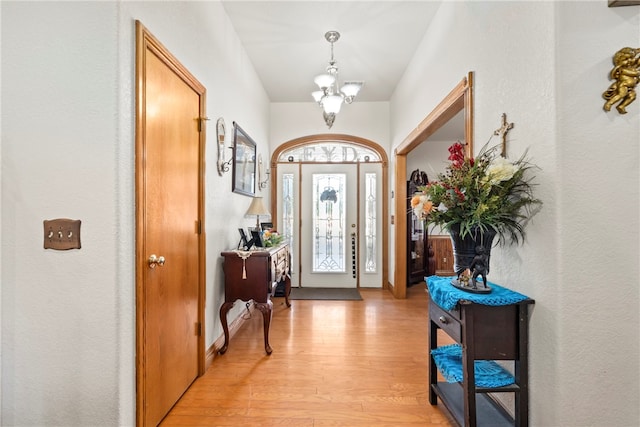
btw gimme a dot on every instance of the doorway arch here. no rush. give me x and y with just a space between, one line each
347 140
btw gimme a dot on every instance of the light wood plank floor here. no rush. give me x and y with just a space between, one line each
334 363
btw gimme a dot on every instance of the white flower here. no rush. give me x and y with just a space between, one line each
500 170
442 207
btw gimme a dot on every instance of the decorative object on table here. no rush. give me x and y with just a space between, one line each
271 238
257 208
625 74
329 97
244 162
476 200
245 243
256 238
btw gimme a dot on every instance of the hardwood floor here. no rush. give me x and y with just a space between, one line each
334 363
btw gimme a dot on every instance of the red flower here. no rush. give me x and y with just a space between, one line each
456 155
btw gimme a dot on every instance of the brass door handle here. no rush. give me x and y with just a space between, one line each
155 260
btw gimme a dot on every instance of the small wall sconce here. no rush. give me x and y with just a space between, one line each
223 166
262 184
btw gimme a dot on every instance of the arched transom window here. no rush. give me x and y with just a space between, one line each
329 151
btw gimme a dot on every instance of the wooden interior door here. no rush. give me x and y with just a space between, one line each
170 248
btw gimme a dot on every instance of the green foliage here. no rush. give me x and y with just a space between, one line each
486 192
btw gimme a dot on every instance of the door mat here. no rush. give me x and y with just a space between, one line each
339 294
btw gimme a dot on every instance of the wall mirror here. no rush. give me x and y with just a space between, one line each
244 162
455 110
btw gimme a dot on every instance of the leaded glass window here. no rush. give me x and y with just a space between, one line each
370 223
329 222
327 151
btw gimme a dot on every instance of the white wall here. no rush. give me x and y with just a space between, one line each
546 65
368 120
430 157
68 317
59 137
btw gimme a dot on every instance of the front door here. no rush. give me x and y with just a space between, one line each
169 241
329 225
330 205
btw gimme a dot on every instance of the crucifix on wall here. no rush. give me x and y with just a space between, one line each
502 132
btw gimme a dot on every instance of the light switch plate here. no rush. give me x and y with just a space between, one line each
62 234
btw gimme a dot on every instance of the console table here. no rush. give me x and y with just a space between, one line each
253 276
486 328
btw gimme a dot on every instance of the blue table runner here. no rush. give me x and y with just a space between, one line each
447 296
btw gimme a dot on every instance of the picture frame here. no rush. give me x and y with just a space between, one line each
244 162
257 238
266 226
244 243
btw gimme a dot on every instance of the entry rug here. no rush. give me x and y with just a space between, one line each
338 294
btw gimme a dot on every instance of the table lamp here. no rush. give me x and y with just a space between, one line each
257 208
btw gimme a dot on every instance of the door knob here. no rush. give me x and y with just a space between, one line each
155 260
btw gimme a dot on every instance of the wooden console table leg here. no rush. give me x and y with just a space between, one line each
225 327
287 290
266 308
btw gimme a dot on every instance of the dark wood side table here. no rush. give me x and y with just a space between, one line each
253 276
485 332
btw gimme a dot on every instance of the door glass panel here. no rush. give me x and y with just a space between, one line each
286 229
329 223
370 223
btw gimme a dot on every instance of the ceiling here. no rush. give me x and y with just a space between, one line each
285 42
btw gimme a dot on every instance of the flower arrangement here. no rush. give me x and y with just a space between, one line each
488 192
271 238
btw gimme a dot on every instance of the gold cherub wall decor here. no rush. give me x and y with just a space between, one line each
626 74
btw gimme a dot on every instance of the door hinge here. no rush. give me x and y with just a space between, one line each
198 329
200 120
198 226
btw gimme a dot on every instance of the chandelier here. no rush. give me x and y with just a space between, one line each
329 97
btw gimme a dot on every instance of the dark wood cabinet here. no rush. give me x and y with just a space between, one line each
487 333
417 244
253 276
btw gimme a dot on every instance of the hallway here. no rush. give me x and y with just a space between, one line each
334 363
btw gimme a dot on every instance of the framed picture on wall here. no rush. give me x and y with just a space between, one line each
244 162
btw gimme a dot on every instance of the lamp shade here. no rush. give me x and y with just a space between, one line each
324 80
257 207
351 89
332 104
317 95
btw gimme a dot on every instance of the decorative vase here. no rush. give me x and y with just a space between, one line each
471 254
